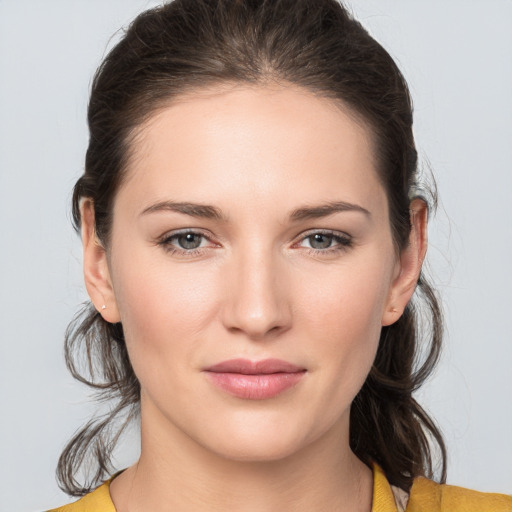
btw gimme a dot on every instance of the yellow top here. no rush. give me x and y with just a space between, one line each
425 496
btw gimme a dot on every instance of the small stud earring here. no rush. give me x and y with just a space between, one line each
103 307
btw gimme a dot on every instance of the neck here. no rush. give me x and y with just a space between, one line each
176 473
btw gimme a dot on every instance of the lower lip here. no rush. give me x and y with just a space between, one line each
255 387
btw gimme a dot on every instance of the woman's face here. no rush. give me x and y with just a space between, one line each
252 227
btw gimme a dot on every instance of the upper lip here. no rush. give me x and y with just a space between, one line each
247 367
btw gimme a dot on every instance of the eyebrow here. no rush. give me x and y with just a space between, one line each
193 209
212 212
326 209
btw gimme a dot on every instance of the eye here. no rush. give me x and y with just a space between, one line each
185 243
326 242
320 240
189 240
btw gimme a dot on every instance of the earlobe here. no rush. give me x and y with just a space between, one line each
411 261
96 270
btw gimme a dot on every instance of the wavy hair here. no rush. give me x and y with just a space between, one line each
186 45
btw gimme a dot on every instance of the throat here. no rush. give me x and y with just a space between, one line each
247 486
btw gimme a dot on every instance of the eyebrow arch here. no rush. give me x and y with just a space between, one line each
324 210
193 209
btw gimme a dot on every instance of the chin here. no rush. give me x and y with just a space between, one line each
250 451
256 442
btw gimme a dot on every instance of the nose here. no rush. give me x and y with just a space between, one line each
257 296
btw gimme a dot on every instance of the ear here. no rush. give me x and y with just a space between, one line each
411 260
96 271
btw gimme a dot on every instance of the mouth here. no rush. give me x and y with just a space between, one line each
254 380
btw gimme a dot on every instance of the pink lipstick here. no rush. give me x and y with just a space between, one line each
256 380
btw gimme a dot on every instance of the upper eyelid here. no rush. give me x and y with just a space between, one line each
174 233
333 232
303 234
312 231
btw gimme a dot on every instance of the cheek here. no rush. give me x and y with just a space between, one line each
164 309
343 317
347 301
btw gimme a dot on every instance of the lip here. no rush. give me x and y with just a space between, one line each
254 380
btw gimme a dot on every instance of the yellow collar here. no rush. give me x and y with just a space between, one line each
383 498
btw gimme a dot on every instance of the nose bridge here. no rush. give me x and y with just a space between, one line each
257 303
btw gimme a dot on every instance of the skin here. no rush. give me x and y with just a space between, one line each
260 286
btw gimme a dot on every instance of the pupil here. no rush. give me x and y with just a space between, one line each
320 241
189 241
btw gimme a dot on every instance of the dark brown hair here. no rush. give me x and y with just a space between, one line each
187 45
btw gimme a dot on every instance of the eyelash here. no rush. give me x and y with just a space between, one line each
167 239
343 243
342 240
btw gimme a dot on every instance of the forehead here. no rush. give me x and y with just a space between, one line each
265 140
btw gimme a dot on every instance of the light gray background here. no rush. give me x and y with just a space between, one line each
457 57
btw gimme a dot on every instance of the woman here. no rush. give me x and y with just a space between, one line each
253 236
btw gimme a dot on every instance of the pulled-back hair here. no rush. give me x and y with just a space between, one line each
189 45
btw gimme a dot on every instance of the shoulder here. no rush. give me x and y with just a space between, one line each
96 501
429 496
